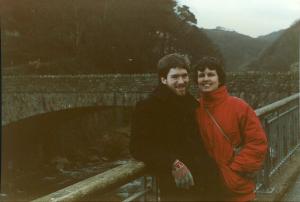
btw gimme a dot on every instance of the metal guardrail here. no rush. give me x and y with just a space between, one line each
281 123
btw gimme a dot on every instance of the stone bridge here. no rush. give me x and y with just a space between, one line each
26 96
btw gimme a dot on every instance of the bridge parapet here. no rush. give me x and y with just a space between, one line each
80 83
25 96
237 82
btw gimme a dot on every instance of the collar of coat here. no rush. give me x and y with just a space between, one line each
216 97
164 94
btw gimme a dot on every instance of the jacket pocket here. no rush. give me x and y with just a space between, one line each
236 183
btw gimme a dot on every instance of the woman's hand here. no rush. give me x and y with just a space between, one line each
251 175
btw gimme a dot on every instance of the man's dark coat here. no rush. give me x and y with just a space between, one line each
164 129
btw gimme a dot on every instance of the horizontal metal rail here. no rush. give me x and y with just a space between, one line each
274 106
123 174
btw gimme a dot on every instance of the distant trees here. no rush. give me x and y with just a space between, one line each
282 55
237 49
101 36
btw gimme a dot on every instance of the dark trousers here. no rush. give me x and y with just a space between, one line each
169 191
203 190
179 194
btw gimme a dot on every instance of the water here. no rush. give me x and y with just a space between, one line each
31 185
46 153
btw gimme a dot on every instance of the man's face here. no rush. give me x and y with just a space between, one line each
177 80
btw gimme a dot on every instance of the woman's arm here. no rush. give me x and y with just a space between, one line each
254 145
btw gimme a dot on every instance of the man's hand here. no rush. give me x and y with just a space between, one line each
182 175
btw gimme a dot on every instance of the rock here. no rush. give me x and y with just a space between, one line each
104 158
93 158
60 162
49 178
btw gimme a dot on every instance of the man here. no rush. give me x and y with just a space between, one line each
165 136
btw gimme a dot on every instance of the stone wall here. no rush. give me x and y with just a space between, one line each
261 89
25 96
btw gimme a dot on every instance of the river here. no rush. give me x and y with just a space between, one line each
48 152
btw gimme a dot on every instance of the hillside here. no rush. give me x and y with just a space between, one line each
282 55
75 37
238 49
272 36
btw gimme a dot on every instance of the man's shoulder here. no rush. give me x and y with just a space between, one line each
149 102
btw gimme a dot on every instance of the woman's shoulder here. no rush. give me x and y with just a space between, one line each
239 102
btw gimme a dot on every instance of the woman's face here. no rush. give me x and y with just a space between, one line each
208 80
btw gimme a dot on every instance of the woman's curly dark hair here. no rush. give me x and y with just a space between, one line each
211 63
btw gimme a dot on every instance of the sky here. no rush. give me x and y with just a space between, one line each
249 17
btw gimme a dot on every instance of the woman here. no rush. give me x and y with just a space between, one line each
231 132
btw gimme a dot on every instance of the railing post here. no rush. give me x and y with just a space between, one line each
267 166
145 187
155 188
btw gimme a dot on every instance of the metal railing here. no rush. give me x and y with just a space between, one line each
281 123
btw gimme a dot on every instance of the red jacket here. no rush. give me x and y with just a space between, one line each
240 124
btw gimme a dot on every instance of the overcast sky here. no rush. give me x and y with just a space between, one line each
250 17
